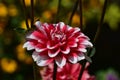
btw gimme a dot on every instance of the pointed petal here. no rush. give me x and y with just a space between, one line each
66 51
72 44
41 60
87 43
60 61
61 25
38 24
72 58
76 30
44 62
51 47
82 50
81 56
28 46
52 53
40 27
35 56
40 50
31 36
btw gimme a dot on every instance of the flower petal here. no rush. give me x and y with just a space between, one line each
31 36
52 47
81 56
41 60
75 68
66 50
76 30
72 44
52 53
28 46
38 24
40 27
82 50
72 58
44 62
35 56
40 50
87 43
61 25
60 61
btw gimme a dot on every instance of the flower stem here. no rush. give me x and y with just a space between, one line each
82 70
32 13
58 11
26 17
73 11
96 36
101 21
80 9
55 71
34 71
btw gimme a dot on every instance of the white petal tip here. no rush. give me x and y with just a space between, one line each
81 57
61 62
28 46
37 23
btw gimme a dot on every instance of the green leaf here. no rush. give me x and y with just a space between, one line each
88 58
92 52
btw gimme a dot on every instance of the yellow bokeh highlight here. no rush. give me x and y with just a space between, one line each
12 10
47 14
3 10
28 2
76 19
22 56
23 24
8 65
1 30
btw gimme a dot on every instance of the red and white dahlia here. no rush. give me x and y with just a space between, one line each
68 72
56 42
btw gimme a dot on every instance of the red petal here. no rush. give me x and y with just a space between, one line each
65 50
60 61
41 60
53 53
72 58
81 56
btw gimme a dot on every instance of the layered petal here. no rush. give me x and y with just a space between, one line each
72 58
60 61
28 45
41 60
53 53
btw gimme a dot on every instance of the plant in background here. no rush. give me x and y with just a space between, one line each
68 72
109 74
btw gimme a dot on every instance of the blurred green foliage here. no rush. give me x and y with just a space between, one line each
109 74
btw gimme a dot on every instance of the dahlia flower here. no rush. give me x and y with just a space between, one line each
68 72
56 42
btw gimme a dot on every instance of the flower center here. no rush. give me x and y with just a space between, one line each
59 35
